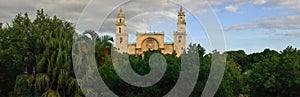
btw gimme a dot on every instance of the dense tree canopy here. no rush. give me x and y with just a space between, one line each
41 49
277 75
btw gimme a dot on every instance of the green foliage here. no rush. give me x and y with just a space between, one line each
140 66
21 85
51 93
1 24
44 44
277 75
251 59
103 49
13 54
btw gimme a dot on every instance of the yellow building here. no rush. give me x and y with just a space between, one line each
151 40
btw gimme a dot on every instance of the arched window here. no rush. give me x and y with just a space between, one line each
121 39
179 38
181 29
120 20
120 30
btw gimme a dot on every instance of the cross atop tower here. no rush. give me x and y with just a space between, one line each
181 12
121 18
121 14
181 24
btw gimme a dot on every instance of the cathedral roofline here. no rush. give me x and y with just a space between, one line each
168 43
133 43
181 12
150 33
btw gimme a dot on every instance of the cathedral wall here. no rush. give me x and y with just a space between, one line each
131 49
168 49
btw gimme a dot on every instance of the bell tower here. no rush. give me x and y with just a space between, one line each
121 34
180 34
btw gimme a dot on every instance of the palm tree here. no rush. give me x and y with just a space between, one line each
103 48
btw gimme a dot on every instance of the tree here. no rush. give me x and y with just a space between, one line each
276 75
1 24
233 81
47 48
13 53
248 61
103 48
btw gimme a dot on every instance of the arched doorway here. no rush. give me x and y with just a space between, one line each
149 44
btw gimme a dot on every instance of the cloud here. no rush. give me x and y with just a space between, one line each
68 9
279 4
140 14
293 34
231 8
72 9
164 11
272 4
259 2
287 22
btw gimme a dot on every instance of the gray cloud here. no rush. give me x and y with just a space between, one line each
286 4
140 14
275 4
293 34
72 9
67 9
163 11
288 22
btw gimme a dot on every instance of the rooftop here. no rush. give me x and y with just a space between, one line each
149 33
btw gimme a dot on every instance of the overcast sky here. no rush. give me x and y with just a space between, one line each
250 25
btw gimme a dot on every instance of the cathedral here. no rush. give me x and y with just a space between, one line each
150 40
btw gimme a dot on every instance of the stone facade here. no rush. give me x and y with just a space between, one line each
151 40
